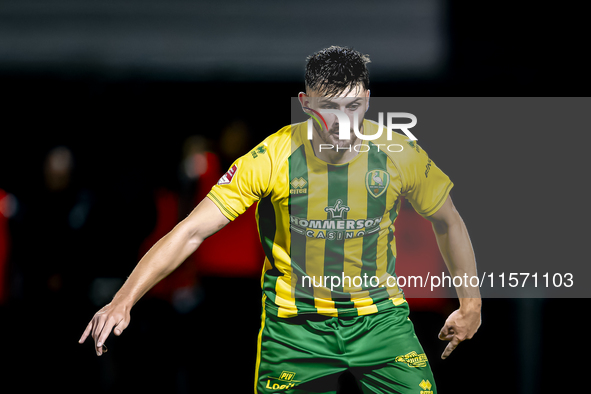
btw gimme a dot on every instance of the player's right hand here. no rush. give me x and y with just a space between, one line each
111 317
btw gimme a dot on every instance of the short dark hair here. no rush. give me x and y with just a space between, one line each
336 69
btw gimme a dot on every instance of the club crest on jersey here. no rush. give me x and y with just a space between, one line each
376 182
227 177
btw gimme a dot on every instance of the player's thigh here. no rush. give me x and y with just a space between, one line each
396 378
394 360
296 357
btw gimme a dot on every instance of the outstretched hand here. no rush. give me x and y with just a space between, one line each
459 326
110 317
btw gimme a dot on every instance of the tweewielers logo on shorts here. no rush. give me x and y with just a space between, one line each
413 359
283 382
226 179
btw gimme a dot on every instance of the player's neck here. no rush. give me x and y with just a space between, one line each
338 154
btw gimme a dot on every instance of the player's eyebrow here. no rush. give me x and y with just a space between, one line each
325 100
330 101
356 101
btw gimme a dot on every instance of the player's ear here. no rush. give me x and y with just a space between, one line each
304 101
366 100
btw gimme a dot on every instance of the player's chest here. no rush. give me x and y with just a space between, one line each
340 202
322 191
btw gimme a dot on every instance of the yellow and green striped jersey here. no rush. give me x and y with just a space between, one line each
328 229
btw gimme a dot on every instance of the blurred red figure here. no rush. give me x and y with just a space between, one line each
4 244
235 251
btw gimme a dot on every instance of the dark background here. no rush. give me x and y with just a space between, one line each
124 112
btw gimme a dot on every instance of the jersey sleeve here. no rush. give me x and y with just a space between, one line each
246 182
424 185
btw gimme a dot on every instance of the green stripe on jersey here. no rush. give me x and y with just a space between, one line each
376 207
390 253
298 206
267 230
334 252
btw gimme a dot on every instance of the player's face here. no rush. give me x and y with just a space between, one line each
353 104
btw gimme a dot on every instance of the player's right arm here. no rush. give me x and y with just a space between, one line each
163 258
247 181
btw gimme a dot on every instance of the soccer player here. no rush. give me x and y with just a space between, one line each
326 212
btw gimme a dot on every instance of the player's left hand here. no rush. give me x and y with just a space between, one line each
461 325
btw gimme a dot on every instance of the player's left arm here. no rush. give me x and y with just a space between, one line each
455 246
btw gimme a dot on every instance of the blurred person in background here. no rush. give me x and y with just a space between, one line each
53 215
304 333
199 170
187 293
8 207
48 216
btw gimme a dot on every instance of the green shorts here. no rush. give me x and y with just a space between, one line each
307 354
